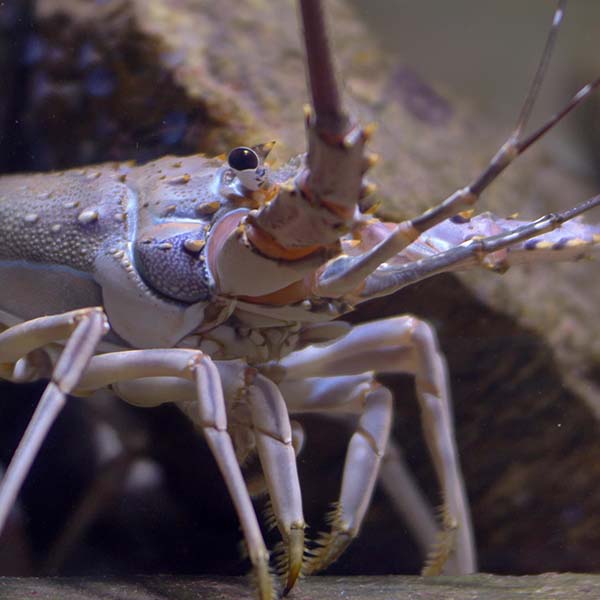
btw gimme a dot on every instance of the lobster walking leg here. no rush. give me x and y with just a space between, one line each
276 442
335 395
408 345
206 408
363 396
83 330
163 377
409 501
278 459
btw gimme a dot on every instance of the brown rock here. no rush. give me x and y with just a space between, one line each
557 587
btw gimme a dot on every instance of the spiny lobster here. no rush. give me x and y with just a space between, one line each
214 283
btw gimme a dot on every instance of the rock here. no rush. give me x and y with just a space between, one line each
558 587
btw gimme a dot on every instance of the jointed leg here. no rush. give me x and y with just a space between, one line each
82 329
273 433
204 404
162 376
258 408
390 278
359 395
403 344
277 442
409 501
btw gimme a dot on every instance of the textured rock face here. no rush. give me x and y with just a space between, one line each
131 79
558 587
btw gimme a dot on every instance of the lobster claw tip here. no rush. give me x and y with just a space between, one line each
295 557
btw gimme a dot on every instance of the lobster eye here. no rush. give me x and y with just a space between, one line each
243 158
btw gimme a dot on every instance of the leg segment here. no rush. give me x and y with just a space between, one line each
570 242
163 376
83 330
276 442
404 344
363 396
274 439
408 500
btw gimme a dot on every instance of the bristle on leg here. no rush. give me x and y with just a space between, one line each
444 545
269 518
329 545
261 576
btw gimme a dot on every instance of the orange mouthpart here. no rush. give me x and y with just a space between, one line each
269 246
295 292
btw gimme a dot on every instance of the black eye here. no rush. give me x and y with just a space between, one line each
242 158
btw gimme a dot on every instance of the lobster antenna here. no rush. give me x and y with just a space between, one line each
329 115
583 93
540 73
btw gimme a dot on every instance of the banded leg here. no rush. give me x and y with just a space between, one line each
571 241
408 345
391 277
83 330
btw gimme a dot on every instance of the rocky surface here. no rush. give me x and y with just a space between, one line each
557 587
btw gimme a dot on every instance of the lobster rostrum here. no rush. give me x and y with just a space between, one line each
214 283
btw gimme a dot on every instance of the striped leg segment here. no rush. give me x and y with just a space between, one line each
525 238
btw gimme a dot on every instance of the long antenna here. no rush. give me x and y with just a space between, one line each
540 73
329 115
